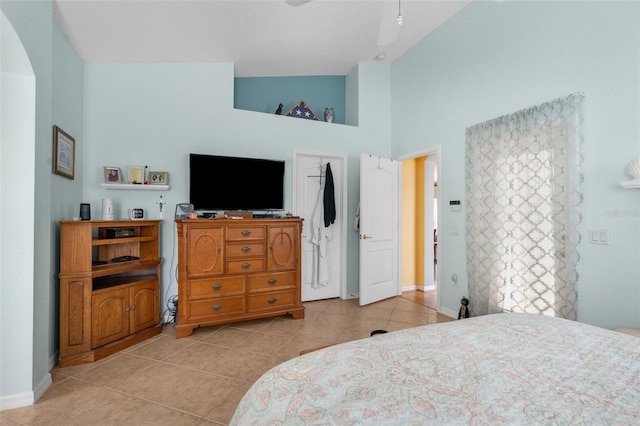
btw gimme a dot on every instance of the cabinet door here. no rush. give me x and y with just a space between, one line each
143 306
282 248
110 316
75 317
204 256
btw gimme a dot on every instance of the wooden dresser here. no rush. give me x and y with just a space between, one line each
237 269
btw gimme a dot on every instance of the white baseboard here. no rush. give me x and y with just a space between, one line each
53 361
25 399
17 400
42 387
449 313
418 288
411 288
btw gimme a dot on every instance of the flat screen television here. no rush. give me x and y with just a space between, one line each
235 183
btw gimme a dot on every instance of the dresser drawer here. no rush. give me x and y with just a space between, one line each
216 287
245 249
260 302
246 233
212 308
245 266
270 282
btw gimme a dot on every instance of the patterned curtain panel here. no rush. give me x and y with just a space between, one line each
522 213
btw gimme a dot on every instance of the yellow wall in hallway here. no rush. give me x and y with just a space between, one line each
413 222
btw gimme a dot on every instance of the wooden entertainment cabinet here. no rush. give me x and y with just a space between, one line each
237 269
107 305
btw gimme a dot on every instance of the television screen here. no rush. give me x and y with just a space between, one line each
235 183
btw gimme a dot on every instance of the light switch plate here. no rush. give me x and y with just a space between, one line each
599 236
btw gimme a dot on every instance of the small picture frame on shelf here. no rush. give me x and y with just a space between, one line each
135 174
112 175
158 178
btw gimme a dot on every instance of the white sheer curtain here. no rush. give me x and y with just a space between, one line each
522 210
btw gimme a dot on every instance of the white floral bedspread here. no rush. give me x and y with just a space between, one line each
496 369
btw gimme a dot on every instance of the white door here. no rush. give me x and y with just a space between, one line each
378 229
323 265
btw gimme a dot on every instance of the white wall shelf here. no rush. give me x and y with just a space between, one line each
135 186
631 184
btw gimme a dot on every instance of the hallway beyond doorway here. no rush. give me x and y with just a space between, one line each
425 298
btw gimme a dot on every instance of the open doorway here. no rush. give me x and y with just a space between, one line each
419 227
309 179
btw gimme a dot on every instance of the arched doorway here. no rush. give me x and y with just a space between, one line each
17 201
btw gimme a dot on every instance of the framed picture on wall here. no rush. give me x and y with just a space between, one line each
112 175
64 153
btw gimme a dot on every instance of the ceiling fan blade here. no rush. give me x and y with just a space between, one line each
297 2
389 28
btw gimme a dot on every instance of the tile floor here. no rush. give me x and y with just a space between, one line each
427 298
199 380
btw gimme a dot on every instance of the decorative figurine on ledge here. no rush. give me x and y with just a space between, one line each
279 110
328 114
464 310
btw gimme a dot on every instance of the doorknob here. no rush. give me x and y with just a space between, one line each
365 236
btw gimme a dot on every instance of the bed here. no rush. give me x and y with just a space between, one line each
495 369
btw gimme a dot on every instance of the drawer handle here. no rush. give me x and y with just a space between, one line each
216 286
127 309
271 247
219 249
245 265
272 281
246 249
272 300
216 307
133 307
246 233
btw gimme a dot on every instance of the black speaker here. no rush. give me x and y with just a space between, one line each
85 211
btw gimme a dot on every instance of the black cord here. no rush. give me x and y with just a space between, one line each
172 301
172 310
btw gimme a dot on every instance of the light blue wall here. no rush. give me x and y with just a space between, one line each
58 76
33 24
156 114
494 58
263 94
17 150
66 194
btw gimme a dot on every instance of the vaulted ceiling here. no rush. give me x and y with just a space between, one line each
261 37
